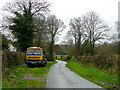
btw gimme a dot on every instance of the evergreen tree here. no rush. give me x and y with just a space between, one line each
23 28
21 24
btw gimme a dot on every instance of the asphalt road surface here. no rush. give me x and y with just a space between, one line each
60 76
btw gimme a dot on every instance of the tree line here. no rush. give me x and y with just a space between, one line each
30 23
85 31
89 35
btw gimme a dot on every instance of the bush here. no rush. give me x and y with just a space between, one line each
5 43
69 57
11 59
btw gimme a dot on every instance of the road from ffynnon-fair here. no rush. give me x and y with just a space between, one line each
60 76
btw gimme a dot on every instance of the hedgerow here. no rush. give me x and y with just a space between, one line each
108 62
11 59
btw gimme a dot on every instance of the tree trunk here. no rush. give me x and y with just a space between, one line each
51 49
75 46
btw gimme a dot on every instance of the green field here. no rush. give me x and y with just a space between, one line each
95 75
60 57
24 77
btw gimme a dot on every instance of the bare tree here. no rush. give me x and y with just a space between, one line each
76 30
40 31
37 8
95 28
54 27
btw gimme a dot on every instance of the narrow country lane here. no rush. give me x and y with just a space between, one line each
61 77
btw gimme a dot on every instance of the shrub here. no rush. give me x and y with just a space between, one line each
69 57
11 60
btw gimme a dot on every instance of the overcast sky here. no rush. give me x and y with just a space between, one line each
68 9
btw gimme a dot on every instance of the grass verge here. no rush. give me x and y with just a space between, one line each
95 75
24 77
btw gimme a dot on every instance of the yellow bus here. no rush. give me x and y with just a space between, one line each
34 56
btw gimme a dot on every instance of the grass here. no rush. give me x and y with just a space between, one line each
94 74
60 57
24 77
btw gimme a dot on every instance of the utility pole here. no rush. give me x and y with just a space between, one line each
119 21
118 27
118 43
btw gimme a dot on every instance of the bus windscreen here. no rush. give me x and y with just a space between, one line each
33 51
